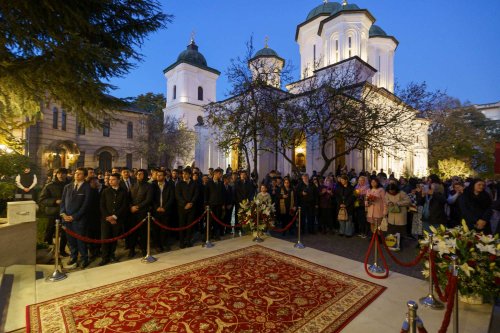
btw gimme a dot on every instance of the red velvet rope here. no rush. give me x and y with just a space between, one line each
453 282
224 224
288 226
103 241
367 257
432 267
180 228
406 264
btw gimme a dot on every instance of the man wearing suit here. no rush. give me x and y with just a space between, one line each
114 207
215 197
74 206
243 189
308 200
126 182
186 194
141 197
163 202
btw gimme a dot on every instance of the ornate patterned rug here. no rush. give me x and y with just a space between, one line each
250 290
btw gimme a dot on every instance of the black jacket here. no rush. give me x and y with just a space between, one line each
215 193
345 195
437 214
167 196
244 190
476 207
311 197
50 193
114 202
186 193
141 195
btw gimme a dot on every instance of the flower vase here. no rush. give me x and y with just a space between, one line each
473 299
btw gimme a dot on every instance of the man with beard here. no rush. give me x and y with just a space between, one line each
50 200
113 207
163 202
141 197
186 194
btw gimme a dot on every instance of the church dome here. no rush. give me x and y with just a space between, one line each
266 52
326 8
192 56
349 7
376 31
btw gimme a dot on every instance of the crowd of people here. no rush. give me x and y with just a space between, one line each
103 205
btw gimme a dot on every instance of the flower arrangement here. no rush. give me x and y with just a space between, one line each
370 199
478 259
248 214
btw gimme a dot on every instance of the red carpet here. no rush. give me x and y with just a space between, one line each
250 290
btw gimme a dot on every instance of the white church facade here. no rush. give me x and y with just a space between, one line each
331 35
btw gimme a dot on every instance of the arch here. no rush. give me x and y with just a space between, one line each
61 153
334 55
351 43
111 150
200 93
105 160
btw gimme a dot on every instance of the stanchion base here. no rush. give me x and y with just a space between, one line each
207 245
430 301
56 276
299 245
257 239
148 259
376 269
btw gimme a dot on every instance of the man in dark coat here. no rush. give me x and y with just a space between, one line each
141 197
50 199
163 203
308 201
74 209
113 207
215 197
186 194
243 190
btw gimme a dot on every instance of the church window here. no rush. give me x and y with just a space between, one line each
130 130
63 120
106 128
128 158
350 46
200 93
314 55
175 92
55 116
336 50
80 128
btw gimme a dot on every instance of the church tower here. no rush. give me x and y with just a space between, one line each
266 64
191 84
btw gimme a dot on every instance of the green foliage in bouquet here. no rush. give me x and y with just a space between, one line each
248 211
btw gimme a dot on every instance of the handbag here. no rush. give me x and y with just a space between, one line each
394 209
383 224
342 216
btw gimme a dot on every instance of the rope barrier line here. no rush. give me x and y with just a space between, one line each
180 228
406 264
103 241
453 282
376 241
288 226
224 224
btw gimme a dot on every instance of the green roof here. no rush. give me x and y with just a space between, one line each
326 8
266 52
192 57
376 31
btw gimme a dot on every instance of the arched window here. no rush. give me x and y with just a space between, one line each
55 116
200 93
130 130
175 92
349 46
63 120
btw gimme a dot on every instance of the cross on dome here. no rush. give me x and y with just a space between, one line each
344 3
193 33
266 40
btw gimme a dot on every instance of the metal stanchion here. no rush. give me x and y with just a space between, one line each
430 301
57 275
375 268
148 258
412 316
454 271
299 244
257 238
207 243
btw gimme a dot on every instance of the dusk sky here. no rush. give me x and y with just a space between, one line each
454 45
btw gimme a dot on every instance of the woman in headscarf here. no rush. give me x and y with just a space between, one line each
326 206
344 196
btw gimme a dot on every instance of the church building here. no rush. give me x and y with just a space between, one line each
332 34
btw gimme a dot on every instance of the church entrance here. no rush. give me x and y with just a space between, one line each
105 159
